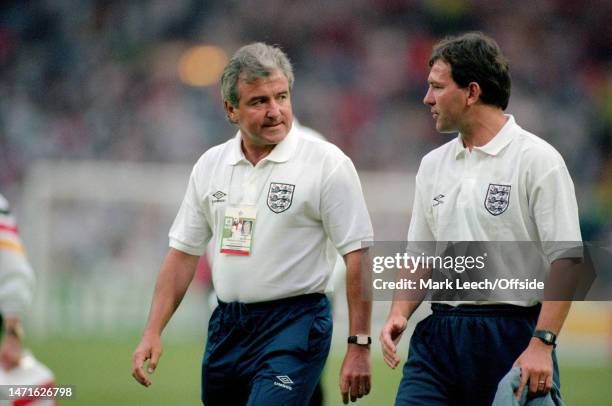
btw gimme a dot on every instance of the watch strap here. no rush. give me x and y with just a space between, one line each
360 339
546 336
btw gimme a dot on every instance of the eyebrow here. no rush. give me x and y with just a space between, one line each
263 98
257 98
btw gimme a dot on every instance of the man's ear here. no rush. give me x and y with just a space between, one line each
474 92
231 113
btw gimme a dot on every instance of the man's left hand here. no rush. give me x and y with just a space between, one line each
355 374
536 368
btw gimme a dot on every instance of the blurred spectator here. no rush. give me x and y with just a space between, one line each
16 289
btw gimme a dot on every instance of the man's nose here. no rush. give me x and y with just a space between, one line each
273 109
429 99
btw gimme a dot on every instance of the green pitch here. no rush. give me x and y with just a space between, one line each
101 373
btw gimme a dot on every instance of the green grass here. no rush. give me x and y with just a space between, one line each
101 373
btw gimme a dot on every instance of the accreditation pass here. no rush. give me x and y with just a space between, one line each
238 226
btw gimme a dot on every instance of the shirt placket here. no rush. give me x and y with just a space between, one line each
250 185
468 180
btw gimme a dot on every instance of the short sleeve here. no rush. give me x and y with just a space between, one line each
343 209
420 233
191 230
555 212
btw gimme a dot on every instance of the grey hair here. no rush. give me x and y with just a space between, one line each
253 61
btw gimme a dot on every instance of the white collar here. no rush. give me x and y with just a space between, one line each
497 143
282 152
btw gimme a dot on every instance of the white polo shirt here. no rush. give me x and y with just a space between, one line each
290 255
515 188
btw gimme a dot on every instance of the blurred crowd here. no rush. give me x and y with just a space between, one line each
97 79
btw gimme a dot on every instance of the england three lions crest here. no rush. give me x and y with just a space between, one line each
280 196
497 199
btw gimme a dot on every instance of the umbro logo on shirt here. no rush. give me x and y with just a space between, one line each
219 197
285 381
437 200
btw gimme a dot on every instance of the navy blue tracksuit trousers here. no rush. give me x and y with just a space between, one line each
459 354
268 353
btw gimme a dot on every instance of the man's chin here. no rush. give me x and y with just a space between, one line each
445 130
274 135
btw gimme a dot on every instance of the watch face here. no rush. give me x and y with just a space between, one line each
362 340
547 337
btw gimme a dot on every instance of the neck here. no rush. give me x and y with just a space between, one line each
255 153
484 125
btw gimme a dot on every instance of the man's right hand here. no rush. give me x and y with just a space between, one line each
150 348
390 335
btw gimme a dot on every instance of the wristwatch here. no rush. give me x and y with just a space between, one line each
547 337
360 339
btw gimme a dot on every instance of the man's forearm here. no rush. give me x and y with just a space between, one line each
360 307
552 315
404 304
403 308
174 278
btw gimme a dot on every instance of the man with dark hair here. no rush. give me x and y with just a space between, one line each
476 58
270 335
494 182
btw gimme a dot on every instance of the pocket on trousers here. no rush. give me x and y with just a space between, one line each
319 337
214 326
422 329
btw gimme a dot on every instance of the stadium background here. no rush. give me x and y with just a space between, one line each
105 105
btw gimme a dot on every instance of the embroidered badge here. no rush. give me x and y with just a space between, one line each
280 196
497 199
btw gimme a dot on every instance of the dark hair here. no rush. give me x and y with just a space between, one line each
475 57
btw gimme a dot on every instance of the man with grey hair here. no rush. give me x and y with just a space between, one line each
268 200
